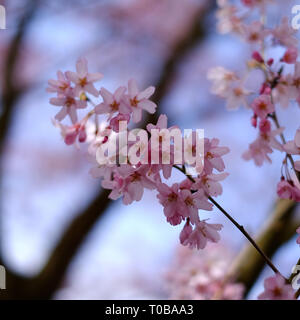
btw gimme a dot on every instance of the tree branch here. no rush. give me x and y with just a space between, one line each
278 229
9 97
48 281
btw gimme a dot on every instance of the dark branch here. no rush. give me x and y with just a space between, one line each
51 276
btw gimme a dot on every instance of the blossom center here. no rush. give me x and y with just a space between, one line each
189 202
83 82
114 106
70 101
172 197
134 102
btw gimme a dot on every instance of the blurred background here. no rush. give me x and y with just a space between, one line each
60 237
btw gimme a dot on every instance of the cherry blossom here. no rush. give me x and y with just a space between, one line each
228 21
129 183
285 34
213 155
293 147
83 80
193 202
254 32
288 190
262 106
236 97
139 101
258 151
172 201
222 80
199 275
201 234
290 55
276 288
69 106
112 103
210 183
61 86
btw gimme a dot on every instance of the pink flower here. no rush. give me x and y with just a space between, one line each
130 183
236 97
69 106
221 79
290 55
210 183
84 80
228 21
293 147
298 239
276 288
61 86
262 146
258 151
262 106
139 101
254 32
284 91
213 155
71 133
265 126
202 233
172 202
185 232
112 103
115 121
199 275
287 190
162 123
193 202
284 33
253 3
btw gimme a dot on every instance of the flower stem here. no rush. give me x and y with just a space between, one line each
276 121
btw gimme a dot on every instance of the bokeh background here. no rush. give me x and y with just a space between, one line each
124 251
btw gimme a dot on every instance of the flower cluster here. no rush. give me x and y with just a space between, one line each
128 176
280 87
199 275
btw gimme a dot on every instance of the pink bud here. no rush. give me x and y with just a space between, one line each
256 56
254 121
185 233
82 135
267 90
270 62
70 137
264 126
248 3
263 88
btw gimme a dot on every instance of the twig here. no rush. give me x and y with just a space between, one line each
240 227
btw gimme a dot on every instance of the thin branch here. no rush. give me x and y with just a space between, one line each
277 230
240 227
